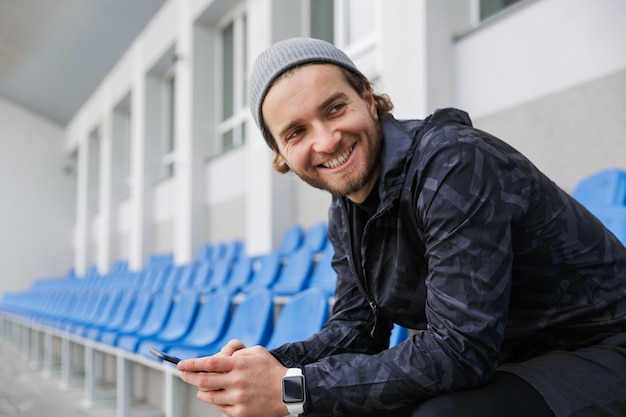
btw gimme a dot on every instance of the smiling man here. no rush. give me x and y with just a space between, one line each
516 292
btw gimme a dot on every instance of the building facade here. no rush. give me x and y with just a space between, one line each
168 158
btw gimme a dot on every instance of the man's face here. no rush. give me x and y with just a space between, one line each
325 131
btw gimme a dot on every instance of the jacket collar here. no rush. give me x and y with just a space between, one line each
400 139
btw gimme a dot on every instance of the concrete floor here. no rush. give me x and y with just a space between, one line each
28 392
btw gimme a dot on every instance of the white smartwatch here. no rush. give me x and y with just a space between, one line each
294 391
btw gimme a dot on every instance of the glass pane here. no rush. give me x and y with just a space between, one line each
228 69
244 57
491 7
171 143
322 19
170 170
126 153
360 19
228 140
243 132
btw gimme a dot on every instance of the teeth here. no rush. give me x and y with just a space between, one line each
339 160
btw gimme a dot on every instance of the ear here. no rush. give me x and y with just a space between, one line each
369 99
280 164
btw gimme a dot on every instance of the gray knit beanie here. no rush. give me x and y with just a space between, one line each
282 56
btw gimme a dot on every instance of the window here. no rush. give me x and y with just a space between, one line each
359 19
356 20
93 175
491 7
357 30
233 56
121 147
168 145
322 19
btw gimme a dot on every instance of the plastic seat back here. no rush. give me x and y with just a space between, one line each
253 319
295 273
202 275
323 275
181 317
158 314
316 237
240 275
266 272
292 239
301 317
211 320
398 334
607 187
614 218
221 273
251 322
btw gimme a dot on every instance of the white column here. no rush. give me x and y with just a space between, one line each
137 212
270 195
81 231
103 257
183 223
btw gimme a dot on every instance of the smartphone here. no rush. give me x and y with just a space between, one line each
165 356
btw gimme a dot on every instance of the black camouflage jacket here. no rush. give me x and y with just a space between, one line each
472 244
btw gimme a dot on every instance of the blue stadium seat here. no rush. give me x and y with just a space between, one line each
186 277
398 334
102 315
221 272
252 323
240 275
294 274
177 325
604 188
301 317
232 250
121 317
140 310
614 218
292 239
203 274
266 269
316 237
205 253
323 275
211 321
154 323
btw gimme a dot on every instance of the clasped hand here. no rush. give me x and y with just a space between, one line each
239 381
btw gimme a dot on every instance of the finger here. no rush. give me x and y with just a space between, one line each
216 363
232 346
205 381
213 397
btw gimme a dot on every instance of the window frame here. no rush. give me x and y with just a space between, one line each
235 124
168 124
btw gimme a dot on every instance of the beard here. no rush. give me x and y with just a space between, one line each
359 175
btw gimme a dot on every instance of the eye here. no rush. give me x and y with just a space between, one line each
294 133
337 107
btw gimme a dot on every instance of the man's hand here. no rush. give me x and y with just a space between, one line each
239 381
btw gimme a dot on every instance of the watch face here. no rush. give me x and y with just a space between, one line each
293 389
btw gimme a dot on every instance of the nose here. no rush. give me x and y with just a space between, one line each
326 138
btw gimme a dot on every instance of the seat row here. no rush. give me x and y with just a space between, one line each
192 310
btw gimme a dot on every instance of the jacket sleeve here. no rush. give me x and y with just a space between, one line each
467 195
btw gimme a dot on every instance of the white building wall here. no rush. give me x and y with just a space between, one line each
538 49
548 77
37 182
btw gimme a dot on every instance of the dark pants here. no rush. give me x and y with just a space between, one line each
506 395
